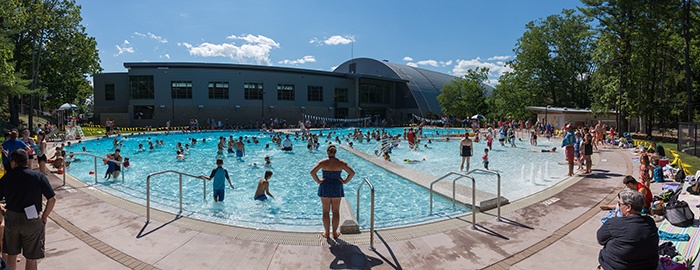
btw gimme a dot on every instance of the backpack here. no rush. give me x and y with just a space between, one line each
694 189
680 176
678 213
658 174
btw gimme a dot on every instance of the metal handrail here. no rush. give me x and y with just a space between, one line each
371 215
498 198
475 209
148 189
95 157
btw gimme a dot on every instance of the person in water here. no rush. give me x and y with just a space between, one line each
263 187
465 148
330 188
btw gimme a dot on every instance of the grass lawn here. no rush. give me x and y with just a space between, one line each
691 160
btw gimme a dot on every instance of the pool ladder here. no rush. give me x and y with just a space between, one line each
475 209
148 190
371 215
94 158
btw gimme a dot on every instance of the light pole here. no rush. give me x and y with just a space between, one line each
546 109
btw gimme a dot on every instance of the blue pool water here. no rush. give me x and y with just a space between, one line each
296 207
524 169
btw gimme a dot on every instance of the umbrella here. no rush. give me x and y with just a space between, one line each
478 117
67 106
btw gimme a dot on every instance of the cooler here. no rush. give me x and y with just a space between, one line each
663 162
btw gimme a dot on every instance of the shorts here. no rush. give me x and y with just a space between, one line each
219 195
286 149
30 157
239 153
42 158
230 150
260 197
577 154
569 150
24 235
501 139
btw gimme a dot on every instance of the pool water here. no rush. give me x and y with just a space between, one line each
296 206
524 169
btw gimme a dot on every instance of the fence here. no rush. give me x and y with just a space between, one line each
688 139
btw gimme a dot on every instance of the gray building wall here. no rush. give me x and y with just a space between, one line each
402 97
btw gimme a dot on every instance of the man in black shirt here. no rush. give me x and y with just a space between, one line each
25 223
630 241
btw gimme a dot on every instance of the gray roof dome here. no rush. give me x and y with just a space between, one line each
423 84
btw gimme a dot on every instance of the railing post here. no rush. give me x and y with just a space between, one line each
371 222
180 192
94 159
148 199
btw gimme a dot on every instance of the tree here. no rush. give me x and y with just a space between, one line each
552 66
53 51
465 96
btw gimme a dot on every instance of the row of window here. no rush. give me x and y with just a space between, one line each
141 87
144 112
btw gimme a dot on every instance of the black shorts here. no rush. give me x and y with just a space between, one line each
42 158
30 157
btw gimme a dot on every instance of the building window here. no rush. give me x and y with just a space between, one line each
315 93
374 93
143 112
253 91
141 87
218 90
109 91
181 89
285 92
341 95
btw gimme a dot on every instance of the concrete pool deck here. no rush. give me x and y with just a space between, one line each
552 229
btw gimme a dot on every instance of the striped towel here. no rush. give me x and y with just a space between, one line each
688 249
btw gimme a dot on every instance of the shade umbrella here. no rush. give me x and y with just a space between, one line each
478 117
67 106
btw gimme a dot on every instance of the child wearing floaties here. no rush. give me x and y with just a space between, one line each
485 158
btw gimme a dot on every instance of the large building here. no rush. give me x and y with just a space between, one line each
151 94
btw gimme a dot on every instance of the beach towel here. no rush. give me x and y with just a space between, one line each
688 249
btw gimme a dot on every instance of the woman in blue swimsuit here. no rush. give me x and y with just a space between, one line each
330 188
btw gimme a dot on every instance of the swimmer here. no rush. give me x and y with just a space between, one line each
267 161
126 163
552 150
408 160
263 187
140 147
180 156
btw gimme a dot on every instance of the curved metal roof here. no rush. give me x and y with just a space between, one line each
423 84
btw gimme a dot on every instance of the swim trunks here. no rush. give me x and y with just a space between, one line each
230 150
219 195
331 187
286 149
260 197
569 150
239 153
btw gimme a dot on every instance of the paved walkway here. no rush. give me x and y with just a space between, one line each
552 229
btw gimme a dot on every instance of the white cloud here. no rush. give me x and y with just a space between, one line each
124 48
256 49
499 57
334 40
167 56
429 62
152 36
303 60
496 70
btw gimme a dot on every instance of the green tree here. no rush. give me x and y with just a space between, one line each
465 96
54 51
552 66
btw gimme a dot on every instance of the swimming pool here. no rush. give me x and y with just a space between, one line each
524 169
296 207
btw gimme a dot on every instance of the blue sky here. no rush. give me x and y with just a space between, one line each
445 36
